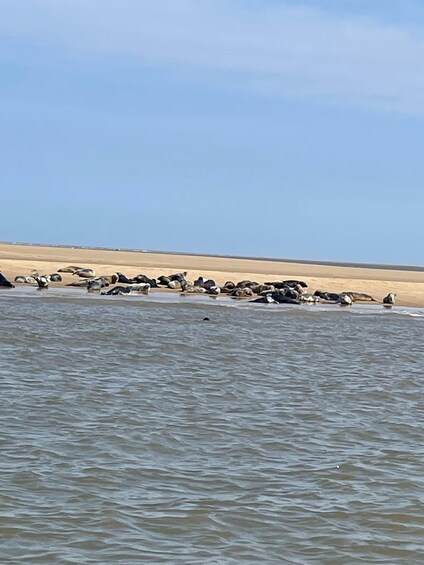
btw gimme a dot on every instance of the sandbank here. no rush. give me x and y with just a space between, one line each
407 282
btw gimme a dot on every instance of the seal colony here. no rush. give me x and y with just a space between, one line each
289 291
376 280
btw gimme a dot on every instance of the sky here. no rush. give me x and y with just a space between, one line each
275 128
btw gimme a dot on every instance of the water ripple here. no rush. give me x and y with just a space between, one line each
134 432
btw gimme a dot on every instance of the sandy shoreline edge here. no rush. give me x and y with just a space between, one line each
378 280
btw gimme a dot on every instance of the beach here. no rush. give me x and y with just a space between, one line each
407 283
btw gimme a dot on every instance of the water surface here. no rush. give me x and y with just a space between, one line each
132 431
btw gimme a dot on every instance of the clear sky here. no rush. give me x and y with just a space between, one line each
254 127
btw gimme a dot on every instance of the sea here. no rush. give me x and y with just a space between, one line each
134 431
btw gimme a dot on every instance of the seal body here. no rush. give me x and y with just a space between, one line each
389 300
4 283
345 299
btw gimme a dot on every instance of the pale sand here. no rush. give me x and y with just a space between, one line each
17 259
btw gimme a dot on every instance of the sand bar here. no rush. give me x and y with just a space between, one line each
408 283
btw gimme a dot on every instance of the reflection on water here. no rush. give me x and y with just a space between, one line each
134 432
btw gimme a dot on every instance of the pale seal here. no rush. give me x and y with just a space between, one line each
345 299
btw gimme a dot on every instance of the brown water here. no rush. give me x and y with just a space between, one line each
134 432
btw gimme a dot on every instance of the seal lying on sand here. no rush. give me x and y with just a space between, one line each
282 297
187 288
266 299
345 299
123 278
389 300
327 296
94 285
291 283
85 273
4 282
87 282
142 288
54 277
25 279
145 279
70 269
360 296
42 282
242 293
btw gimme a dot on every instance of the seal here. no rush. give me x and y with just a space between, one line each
310 298
123 278
345 299
4 283
389 300
70 269
187 288
175 284
327 296
145 279
265 299
241 293
360 296
142 288
214 290
284 298
180 277
95 285
85 273
54 277
42 281
26 279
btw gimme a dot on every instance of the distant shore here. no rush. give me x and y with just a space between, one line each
375 279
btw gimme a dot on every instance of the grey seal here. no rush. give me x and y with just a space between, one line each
70 269
265 299
4 282
360 296
85 273
389 300
141 288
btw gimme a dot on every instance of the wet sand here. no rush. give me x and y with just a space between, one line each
20 259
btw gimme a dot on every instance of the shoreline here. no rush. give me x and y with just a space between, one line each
406 281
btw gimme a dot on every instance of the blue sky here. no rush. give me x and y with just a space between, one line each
252 127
